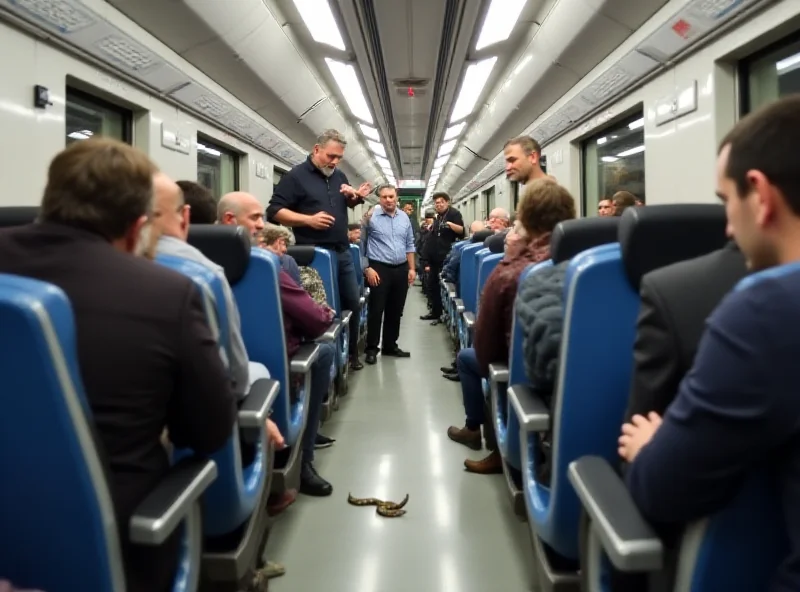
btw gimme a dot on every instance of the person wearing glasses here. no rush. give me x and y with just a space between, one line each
313 199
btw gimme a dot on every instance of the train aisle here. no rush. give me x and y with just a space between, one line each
459 534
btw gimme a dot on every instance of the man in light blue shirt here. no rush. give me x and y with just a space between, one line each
390 253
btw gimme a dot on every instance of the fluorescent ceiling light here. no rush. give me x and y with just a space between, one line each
499 22
441 161
609 158
377 148
472 87
454 131
787 63
636 124
446 148
385 164
346 78
437 170
631 152
318 17
370 132
82 135
601 141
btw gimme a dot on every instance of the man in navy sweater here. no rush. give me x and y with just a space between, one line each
738 406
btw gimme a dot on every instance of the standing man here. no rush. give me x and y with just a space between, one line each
447 228
390 252
313 199
523 160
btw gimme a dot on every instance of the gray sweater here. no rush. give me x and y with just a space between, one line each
540 306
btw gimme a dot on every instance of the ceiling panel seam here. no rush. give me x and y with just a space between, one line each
454 11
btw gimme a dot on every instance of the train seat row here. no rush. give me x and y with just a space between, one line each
40 366
581 519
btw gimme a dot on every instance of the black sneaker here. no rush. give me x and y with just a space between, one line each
323 442
312 484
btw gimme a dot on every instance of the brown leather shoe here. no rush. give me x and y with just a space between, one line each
278 503
469 438
491 465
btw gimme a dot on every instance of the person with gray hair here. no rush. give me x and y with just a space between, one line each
276 239
313 199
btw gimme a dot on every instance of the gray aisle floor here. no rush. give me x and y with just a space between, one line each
459 534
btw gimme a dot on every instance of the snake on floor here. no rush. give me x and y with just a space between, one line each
385 509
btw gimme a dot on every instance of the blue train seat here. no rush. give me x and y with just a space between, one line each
238 497
468 316
716 553
595 365
468 279
569 238
322 261
487 265
58 522
355 251
253 276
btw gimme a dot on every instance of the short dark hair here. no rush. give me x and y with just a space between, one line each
354 226
441 194
766 140
623 200
100 185
544 204
202 205
430 214
528 144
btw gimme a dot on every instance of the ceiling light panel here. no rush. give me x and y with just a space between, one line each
454 131
369 132
377 148
350 87
474 81
318 17
500 20
446 148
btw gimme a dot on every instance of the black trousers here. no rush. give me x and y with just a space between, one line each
386 303
434 289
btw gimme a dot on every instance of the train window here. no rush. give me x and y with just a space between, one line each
771 74
613 160
88 116
217 167
277 175
489 202
515 194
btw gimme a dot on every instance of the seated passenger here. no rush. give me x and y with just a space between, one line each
147 357
354 233
544 204
241 209
737 408
499 220
605 208
202 205
275 238
622 200
305 320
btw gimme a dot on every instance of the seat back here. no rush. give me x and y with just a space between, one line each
717 553
231 499
259 299
485 269
18 215
227 246
56 513
355 253
595 362
575 236
468 275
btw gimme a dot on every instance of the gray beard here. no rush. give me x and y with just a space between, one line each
326 171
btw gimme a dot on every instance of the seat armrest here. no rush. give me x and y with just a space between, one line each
361 300
332 332
254 409
629 541
451 290
345 318
459 305
305 356
469 319
366 291
533 414
160 513
498 373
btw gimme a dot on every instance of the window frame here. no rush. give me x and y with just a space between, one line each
210 142
101 103
621 121
745 65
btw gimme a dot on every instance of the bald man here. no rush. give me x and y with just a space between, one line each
242 209
171 222
499 220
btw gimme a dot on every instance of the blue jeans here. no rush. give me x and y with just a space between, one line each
471 387
349 294
320 382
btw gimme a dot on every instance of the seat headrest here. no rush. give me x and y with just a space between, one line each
303 254
496 243
575 236
18 215
655 236
227 246
481 236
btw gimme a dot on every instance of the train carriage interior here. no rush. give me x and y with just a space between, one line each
474 117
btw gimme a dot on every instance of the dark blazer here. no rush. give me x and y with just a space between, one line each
676 300
148 361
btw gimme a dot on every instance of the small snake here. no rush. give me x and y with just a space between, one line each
385 509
